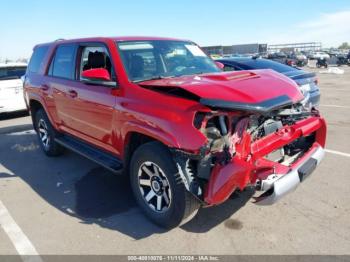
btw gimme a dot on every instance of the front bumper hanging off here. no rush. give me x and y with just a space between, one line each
287 183
251 167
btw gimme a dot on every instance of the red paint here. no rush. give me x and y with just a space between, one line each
240 172
106 117
240 86
96 74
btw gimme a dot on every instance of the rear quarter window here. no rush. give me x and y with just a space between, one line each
37 59
63 63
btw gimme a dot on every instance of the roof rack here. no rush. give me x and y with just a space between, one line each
59 39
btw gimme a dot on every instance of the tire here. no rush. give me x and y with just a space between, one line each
43 127
153 173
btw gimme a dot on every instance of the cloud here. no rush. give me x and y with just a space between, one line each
331 29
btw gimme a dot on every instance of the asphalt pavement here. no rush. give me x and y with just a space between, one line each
69 205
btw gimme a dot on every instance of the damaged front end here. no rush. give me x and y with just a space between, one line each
271 147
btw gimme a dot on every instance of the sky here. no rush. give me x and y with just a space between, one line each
222 22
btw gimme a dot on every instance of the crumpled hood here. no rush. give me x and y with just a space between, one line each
262 89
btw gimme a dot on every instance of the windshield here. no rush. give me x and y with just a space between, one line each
7 73
155 59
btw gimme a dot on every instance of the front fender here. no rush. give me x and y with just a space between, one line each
155 133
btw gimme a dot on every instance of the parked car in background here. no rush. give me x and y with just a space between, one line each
319 55
306 81
310 55
288 59
186 133
11 87
280 57
334 52
298 59
342 59
322 62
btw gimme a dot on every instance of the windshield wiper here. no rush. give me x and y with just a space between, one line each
152 78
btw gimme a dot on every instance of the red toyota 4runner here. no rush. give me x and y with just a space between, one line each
161 111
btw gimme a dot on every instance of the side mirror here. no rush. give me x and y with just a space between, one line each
220 65
96 74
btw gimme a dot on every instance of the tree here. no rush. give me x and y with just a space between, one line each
344 45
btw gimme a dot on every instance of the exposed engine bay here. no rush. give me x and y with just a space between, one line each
231 134
223 134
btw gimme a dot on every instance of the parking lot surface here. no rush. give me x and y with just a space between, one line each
68 205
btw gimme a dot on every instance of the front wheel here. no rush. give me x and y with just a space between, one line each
158 187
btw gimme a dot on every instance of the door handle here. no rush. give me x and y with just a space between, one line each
44 87
73 93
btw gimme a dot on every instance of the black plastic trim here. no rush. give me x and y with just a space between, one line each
307 168
99 156
261 107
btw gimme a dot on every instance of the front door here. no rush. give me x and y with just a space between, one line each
92 107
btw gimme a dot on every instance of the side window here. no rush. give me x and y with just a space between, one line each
229 68
63 63
37 59
96 57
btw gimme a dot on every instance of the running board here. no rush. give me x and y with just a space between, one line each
99 156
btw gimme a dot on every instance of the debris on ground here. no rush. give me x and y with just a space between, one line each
333 70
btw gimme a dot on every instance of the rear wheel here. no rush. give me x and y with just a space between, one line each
47 134
158 187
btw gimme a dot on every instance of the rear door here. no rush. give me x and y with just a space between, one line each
61 78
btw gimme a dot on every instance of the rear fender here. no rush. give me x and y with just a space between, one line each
37 98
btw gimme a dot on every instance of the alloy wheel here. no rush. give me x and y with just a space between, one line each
154 187
43 133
